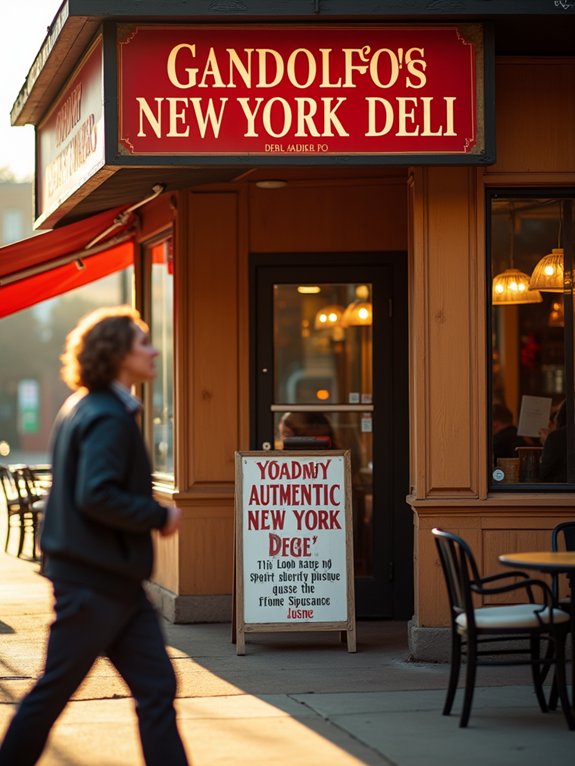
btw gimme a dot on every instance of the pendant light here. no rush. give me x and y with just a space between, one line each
360 311
328 316
549 274
512 287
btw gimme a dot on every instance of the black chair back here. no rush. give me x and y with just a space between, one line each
563 538
507 634
22 515
565 533
460 571
13 496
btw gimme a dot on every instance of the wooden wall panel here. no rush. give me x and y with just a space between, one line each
207 550
199 560
167 550
213 352
431 604
496 542
535 116
323 218
444 308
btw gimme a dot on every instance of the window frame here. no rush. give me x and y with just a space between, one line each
567 241
166 478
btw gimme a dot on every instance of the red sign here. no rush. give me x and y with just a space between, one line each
70 140
288 90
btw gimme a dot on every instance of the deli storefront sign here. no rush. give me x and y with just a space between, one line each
70 139
275 92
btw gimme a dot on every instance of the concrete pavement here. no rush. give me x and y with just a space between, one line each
293 699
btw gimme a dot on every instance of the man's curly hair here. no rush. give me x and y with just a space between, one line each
96 346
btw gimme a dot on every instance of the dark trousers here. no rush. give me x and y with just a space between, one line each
87 625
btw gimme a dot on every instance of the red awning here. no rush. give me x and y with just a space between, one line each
50 264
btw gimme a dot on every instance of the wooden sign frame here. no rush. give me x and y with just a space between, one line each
293 543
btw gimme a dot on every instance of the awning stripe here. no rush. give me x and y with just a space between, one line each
44 266
56 281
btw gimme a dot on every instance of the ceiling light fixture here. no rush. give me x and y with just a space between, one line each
360 311
328 316
549 273
512 286
271 184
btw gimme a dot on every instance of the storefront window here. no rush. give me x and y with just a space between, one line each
160 263
531 342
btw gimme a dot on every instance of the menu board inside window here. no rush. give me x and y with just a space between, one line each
294 547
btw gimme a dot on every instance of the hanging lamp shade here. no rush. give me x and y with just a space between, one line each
357 313
328 316
548 275
511 287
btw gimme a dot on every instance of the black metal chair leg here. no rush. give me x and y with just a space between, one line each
453 673
469 685
561 683
22 531
538 673
553 694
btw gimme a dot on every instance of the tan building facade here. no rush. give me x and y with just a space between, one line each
418 236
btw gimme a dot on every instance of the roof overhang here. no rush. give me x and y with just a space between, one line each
537 30
540 28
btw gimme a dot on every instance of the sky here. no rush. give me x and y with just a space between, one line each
23 27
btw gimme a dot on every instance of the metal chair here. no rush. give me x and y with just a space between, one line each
563 539
525 624
23 510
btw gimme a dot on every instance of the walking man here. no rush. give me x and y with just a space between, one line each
97 544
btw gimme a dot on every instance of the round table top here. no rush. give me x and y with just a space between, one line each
541 560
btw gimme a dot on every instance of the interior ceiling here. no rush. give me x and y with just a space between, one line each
533 207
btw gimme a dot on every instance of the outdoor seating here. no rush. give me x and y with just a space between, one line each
563 539
480 632
32 483
23 508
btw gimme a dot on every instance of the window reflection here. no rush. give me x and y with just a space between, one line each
161 326
531 340
322 362
322 343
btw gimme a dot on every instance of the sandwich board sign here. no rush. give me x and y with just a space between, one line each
294 543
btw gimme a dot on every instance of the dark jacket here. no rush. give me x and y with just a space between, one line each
100 512
505 442
553 466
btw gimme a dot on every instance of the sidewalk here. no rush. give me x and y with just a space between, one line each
293 699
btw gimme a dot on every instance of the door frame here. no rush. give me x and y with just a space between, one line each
395 568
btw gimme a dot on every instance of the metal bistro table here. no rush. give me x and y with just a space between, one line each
550 562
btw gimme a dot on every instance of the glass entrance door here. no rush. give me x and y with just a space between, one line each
324 377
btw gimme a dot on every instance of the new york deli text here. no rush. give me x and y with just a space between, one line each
309 487
300 94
